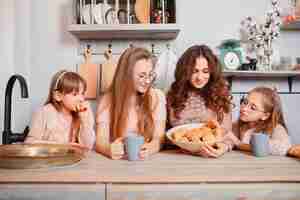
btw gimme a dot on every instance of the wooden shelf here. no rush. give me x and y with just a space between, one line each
294 26
261 73
124 31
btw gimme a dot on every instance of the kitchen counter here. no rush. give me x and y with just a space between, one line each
165 167
167 172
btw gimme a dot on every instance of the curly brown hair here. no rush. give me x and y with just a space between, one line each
216 92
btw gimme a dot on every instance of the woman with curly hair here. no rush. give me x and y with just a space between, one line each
201 94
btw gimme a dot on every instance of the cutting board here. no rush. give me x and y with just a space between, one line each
142 11
108 69
89 71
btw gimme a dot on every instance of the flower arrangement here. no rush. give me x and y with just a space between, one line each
262 35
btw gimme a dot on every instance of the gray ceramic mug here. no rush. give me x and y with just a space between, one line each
260 144
133 144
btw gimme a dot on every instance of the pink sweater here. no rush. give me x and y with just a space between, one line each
279 141
195 111
49 126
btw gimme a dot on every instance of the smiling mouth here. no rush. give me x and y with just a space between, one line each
144 87
199 83
243 113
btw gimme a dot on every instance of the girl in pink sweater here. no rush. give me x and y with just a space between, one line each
261 111
66 117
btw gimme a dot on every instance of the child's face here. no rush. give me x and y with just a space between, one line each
143 75
200 75
71 100
252 108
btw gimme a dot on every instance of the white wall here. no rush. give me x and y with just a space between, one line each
22 54
7 35
36 43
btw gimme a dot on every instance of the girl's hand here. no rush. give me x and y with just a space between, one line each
244 147
82 107
117 149
83 110
74 144
208 151
145 151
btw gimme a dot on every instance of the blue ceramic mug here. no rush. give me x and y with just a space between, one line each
260 144
133 144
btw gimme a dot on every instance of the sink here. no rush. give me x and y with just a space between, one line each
31 156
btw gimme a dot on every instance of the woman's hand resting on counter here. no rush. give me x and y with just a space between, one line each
117 149
145 151
209 151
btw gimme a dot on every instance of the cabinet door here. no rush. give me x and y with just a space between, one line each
52 192
203 191
291 110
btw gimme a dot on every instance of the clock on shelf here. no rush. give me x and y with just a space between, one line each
231 54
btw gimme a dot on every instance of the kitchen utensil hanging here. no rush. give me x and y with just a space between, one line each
89 71
108 69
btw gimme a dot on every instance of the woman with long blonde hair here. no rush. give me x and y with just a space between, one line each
131 106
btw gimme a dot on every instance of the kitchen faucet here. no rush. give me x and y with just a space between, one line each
8 136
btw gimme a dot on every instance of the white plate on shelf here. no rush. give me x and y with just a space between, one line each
98 13
86 15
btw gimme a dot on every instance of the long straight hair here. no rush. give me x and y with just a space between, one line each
121 91
66 82
271 104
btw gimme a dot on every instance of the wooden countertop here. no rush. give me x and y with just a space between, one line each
165 167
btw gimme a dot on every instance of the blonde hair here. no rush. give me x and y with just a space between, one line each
122 88
271 104
66 82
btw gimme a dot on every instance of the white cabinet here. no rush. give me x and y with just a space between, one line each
52 191
291 110
257 191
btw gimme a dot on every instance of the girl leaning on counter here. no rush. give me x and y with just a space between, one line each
131 106
66 117
200 94
261 112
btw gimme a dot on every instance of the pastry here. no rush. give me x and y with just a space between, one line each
294 151
208 134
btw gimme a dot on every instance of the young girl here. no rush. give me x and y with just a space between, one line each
260 112
66 117
200 94
131 106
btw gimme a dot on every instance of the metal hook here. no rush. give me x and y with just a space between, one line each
152 48
109 47
168 46
88 46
